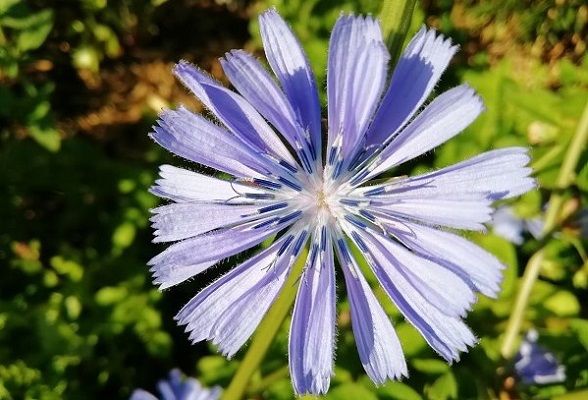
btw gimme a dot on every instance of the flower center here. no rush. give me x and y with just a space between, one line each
321 199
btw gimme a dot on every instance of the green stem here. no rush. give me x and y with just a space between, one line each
396 16
267 330
565 178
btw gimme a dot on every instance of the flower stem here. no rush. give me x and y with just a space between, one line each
267 330
565 179
396 16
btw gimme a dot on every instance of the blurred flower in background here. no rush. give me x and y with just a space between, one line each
507 224
535 365
177 388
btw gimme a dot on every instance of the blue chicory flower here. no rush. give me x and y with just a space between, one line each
535 365
291 186
177 388
506 224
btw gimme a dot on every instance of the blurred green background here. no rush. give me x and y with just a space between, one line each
81 82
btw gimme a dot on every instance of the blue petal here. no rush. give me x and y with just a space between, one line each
501 174
288 61
140 394
461 212
182 185
192 256
184 220
377 343
233 111
257 86
462 257
445 117
418 71
459 196
422 301
197 139
229 310
356 46
312 332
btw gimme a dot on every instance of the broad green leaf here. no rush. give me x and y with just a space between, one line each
430 365
562 304
123 235
111 295
580 327
397 391
350 390
445 387
45 135
35 33
505 252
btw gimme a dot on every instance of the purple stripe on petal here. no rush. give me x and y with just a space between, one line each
257 86
312 331
184 220
356 46
228 311
182 185
377 343
418 71
233 111
445 334
445 117
190 257
288 61
197 139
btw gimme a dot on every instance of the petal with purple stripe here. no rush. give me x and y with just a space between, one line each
190 257
233 111
197 139
228 311
442 329
445 117
312 331
182 185
288 61
418 71
356 46
377 343
257 86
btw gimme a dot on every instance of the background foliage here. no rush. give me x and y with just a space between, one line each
81 83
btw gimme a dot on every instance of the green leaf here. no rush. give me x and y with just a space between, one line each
123 235
67 267
111 295
350 390
579 395
580 327
34 34
5 6
430 366
505 252
412 342
562 304
582 178
445 387
45 135
397 391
